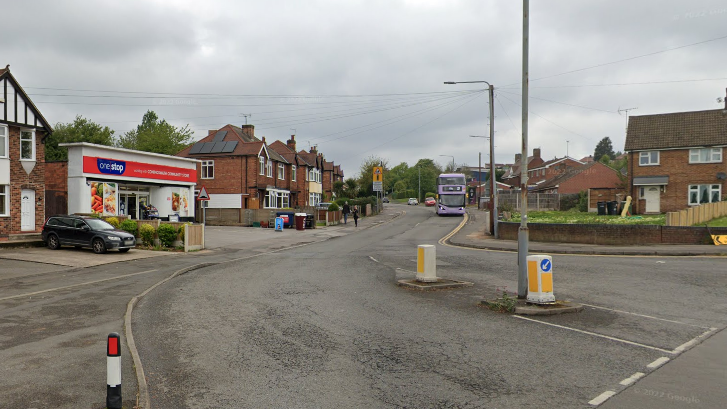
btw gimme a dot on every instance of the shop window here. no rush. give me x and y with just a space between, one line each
208 169
27 145
649 158
262 165
292 173
706 155
3 141
4 196
281 171
700 194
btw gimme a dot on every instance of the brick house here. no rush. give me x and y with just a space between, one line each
512 174
22 159
676 160
551 169
574 179
298 171
314 175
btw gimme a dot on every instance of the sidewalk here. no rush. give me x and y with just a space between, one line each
472 235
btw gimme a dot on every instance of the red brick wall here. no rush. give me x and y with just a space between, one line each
675 164
56 176
610 234
20 180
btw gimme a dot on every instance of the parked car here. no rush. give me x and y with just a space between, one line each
430 201
412 201
386 199
85 231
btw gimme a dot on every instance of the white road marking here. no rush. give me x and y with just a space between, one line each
631 379
374 259
683 347
601 398
75 285
642 315
595 334
659 362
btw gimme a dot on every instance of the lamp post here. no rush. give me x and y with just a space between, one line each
452 161
493 193
493 185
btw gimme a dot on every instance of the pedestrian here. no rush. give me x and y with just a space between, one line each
346 211
355 215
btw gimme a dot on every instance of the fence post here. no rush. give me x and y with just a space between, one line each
186 238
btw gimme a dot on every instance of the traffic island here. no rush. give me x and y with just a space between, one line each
439 284
522 307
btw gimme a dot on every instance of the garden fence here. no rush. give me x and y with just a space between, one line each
536 201
697 214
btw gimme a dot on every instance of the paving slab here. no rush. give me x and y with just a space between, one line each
72 257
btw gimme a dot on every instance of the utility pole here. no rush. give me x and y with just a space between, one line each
523 232
419 193
479 180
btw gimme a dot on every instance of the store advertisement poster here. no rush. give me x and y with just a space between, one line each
103 199
180 202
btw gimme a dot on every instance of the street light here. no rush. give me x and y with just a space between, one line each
452 161
493 193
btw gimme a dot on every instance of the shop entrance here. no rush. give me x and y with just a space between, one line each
132 200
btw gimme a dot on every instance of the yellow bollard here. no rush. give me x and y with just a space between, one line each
540 279
426 263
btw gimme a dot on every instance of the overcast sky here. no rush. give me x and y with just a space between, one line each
362 78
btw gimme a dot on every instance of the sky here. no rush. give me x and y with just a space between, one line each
366 78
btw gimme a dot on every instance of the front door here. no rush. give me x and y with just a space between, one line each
27 210
652 195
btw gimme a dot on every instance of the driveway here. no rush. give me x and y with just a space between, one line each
72 257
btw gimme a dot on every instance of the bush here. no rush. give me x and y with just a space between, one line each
114 221
167 234
430 194
340 202
568 202
181 231
146 232
583 201
333 207
129 226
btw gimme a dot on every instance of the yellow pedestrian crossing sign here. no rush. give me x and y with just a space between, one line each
378 173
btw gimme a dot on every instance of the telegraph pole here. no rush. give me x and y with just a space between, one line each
524 233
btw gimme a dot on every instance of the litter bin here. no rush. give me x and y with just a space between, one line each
610 208
615 208
601 208
287 218
310 221
299 221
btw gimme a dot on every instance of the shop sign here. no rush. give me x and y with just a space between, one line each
105 166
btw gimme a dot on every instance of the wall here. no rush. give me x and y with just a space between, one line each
598 175
613 234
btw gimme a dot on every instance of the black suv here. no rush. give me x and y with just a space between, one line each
83 231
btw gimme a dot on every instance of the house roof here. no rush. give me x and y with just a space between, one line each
245 146
310 158
284 151
514 170
569 173
5 73
677 130
554 161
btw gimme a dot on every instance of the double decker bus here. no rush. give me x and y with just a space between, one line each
451 190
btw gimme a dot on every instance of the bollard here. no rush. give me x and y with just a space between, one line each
540 279
113 371
426 263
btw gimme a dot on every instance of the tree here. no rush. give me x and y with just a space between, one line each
338 188
604 147
155 135
351 187
429 173
365 179
80 130
396 175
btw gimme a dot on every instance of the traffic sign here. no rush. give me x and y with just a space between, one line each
203 194
378 186
378 173
545 265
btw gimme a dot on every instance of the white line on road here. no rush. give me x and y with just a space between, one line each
631 379
601 398
683 347
75 285
376 261
659 362
596 334
642 315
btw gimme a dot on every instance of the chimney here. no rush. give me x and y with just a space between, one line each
517 157
536 152
314 149
249 131
263 139
291 142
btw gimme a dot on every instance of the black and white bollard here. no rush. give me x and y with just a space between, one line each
113 371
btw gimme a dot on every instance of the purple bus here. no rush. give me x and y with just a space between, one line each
451 189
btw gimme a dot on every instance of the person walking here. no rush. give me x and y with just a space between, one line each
346 211
355 215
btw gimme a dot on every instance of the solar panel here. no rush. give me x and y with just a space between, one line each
207 147
217 148
219 136
229 146
196 148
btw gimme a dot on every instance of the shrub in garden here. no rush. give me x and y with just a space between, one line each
146 232
167 234
333 207
114 221
583 201
129 226
181 231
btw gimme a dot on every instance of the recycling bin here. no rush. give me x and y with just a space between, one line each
310 221
299 221
601 208
287 218
610 208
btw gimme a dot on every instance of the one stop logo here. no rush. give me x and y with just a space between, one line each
114 167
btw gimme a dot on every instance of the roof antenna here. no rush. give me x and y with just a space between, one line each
627 116
246 116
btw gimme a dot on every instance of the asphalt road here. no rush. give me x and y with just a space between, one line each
325 326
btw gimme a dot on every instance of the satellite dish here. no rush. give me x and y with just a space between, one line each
722 175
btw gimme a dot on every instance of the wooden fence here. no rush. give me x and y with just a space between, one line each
536 201
697 214
193 237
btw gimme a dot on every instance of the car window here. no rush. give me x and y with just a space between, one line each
78 224
52 222
97 224
65 222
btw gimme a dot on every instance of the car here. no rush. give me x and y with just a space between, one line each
85 231
412 201
430 201
385 199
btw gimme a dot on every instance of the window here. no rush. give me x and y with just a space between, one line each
312 175
269 168
292 173
642 192
281 171
275 199
4 193
3 141
649 158
208 169
314 199
27 145
262 165
699 194
707 155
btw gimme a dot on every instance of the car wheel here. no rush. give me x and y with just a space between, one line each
123 250
99 247
53 242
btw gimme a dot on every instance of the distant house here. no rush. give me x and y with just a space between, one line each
512 175
23 131
572 180
676 160
551 169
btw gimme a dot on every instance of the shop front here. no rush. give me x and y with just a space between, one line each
120 182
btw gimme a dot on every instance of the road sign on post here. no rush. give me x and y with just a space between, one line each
378 174
378 186
203 194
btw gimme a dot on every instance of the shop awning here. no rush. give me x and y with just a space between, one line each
651 180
